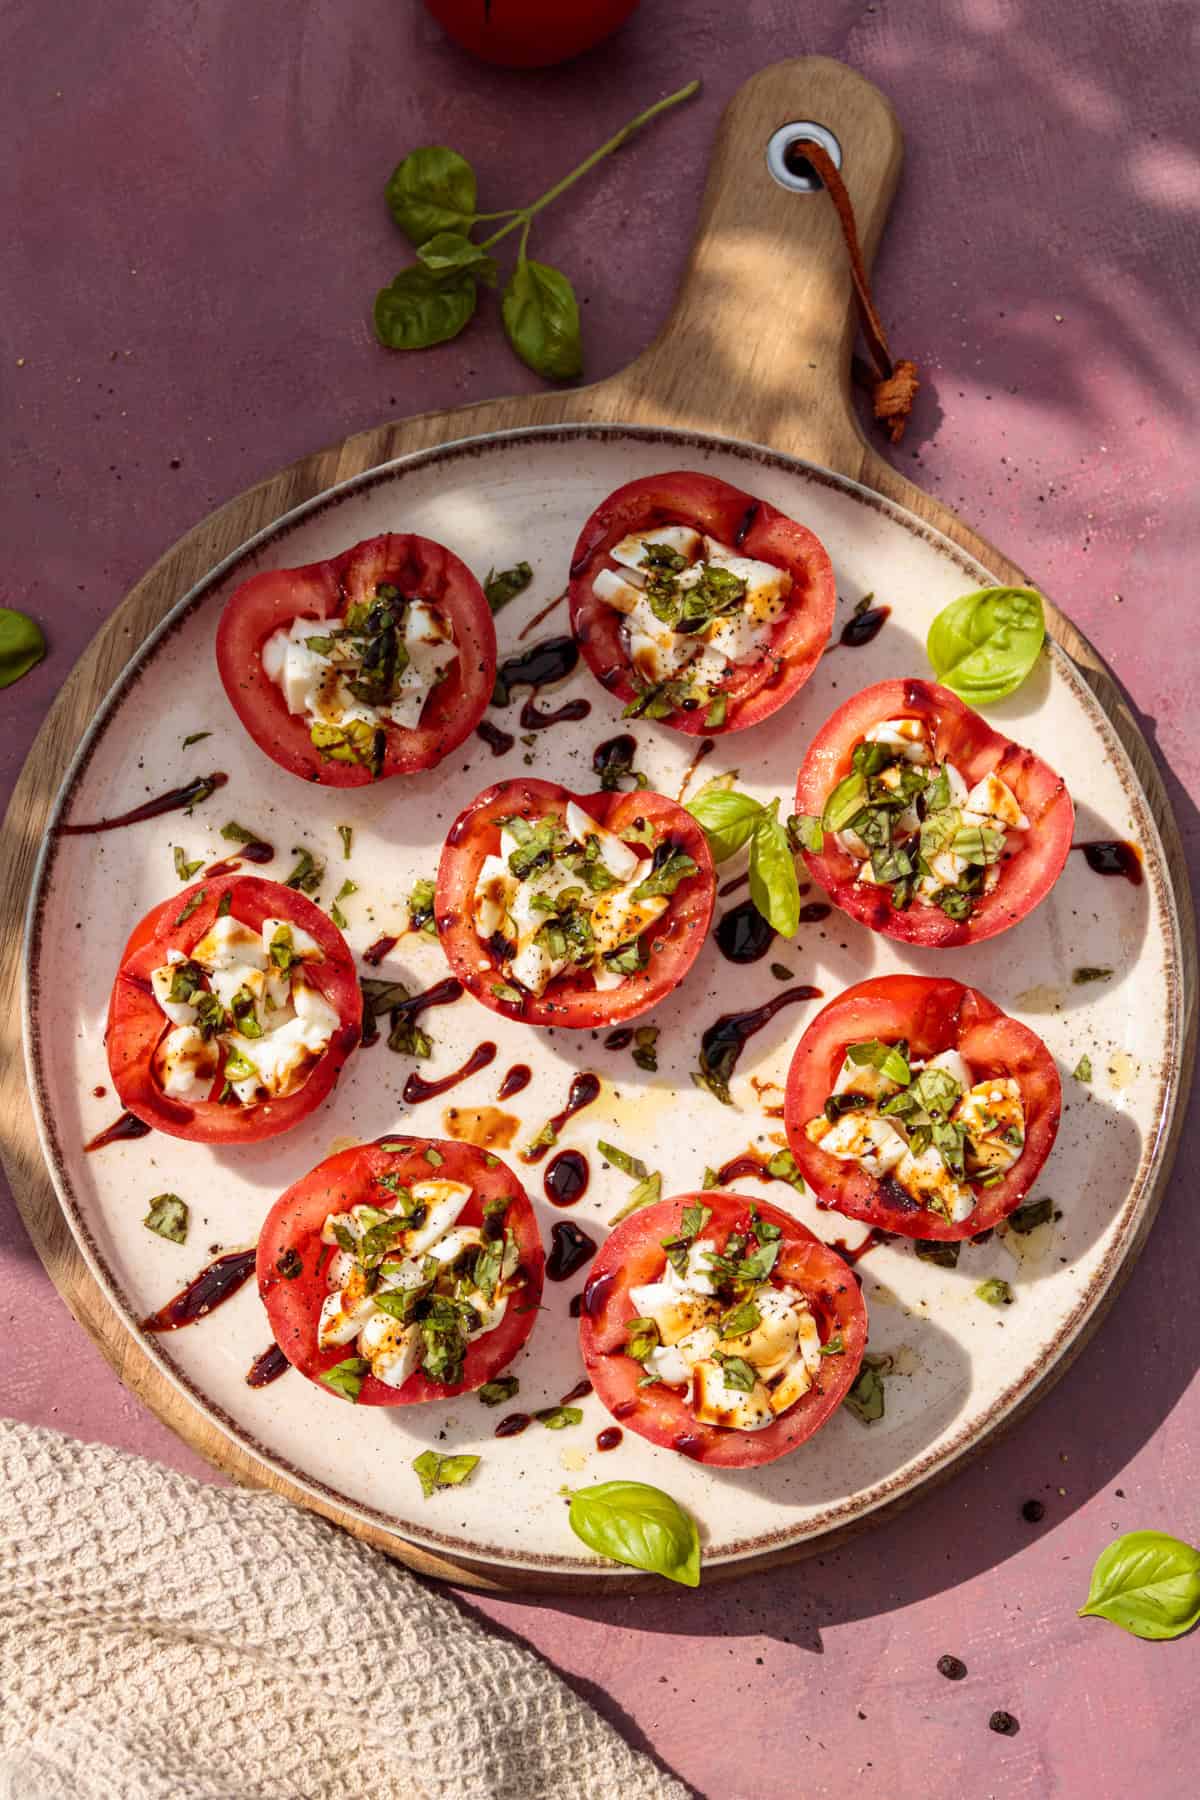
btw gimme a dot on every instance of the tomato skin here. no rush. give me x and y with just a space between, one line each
136 1022
934 1014
755 528
348 1179
633 1257
529 34
962 737
571 1000
323 591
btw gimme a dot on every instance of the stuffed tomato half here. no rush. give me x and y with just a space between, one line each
234 1007
721 1328
404 1270
925 824
378 662
915 1104
577 912
697 604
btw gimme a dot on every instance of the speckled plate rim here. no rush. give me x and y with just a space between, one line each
1130 1227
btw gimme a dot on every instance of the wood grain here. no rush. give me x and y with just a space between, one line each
758 347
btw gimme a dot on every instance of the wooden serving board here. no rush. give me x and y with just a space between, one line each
757 347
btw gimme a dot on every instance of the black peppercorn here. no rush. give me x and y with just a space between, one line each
1004 1723
952 1667
1033 1511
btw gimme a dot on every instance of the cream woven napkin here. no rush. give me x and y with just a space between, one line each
164 1640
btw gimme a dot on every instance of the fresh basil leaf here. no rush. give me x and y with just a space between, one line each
739 1320
436 1471
1027 1218
503 586
541 318
984 645
495 1393
944 1254
666 876
452 252
995 1292
1081 977
621 1159
632 1523
346 1378
727 820
22 645
773 885
890 1059
418 310
432 190
309 871
846 801
1148 1583
168 1216
737 1372
555 1418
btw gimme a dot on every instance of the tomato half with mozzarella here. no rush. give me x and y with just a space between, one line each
779 635
930 1015
218 921
345 738
655 831
487 1212
1029 861
805 1272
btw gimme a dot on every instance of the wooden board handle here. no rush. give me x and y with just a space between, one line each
762 329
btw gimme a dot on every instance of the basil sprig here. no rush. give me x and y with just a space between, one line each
730 821
984 645
640 1526
1148 1583
433 199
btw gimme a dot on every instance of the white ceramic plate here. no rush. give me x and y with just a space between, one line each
961 1366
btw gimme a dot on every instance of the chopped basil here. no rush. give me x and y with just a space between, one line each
646 1193
711 1179
354 741
346 1378
626 959
846 801
936 1090
781 972
995 1292
233 833
621 1159
936 1250
335 912
1083 1069
717 712
195 737
865 1398
739 1320
495 1393
225 904
245 1019
1080 977
737 1372
783 1167
308 872
190 907
546 1139
836 1345
692 1221
421 905
641 1337
289 1264
183 868
806 832
1028 1217
168 1216
505 586
433 1157
511 995
346 833
890 1059
239 1067
282 949
434 1471
555 1418
645 1053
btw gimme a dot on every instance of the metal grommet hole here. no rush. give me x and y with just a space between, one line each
786 159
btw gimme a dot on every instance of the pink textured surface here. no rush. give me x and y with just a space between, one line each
198 231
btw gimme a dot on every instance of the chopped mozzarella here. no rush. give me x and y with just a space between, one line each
864 1078
958 787
535 968
928 1181
443 1202
431 650
988 1111
345 1310
282 1057
292 666
767 588
313 683
774 1340
909 736
615 591
180 1012
863 1138
991 801
715 1402
228 941
656 651
953 1064
455 1243
735 636
617 917
494 892
392 1348
673 1363
631 551
792 1386
676 1312
618 858
185 1064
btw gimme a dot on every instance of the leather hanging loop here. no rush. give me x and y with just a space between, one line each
894 386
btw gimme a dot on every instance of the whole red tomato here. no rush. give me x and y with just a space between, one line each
529 34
